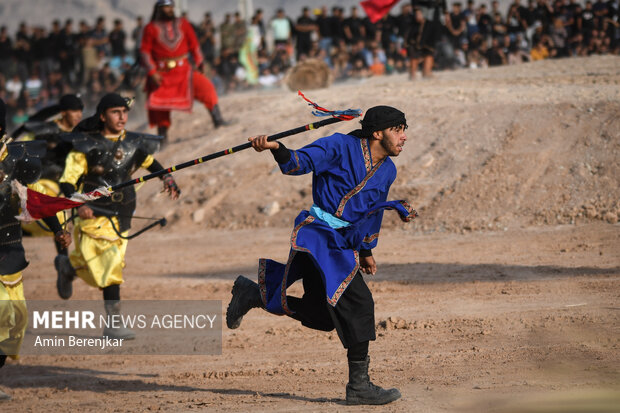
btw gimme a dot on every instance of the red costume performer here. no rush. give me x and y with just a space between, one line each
172 83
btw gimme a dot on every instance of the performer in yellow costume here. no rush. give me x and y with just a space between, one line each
104 154
21 162
70 108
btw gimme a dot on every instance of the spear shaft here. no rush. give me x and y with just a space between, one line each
219 154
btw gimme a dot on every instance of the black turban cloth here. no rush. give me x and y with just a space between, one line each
379 118
93 124
70 102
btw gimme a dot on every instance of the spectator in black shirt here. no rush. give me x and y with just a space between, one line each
495 54
67 47
136 36
522 10
485 22
357 62
575 42
588 24
206 38
514 22
455 23
6 52
354 27
370 29
22 32
387 30
100 36
258 19
498 28
544 14
404 22
117 39
336 24
325 33
53 40
600 13
304 28
420 46
39 47
23 56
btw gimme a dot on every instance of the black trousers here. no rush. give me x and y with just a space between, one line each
353 317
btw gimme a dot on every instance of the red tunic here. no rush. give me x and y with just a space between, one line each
165 48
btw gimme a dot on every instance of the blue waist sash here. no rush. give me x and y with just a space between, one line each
328 218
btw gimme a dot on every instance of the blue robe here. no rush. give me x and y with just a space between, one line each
347 186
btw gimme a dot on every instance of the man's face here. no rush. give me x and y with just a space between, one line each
114 120
167 11
393 140
71 117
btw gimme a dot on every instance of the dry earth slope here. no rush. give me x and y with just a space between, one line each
515 146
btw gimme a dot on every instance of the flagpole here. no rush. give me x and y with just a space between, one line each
219 154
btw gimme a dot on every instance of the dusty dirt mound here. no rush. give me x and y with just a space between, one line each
517 146
309 74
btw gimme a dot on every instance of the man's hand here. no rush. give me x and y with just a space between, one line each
260 143
156 78
171 187
63 238
368 265
85 212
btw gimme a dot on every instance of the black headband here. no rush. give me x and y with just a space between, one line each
111 100
93 123
382 117
70 102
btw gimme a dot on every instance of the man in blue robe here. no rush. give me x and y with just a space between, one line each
333 241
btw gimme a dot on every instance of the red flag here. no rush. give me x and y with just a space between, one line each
36 205
376 9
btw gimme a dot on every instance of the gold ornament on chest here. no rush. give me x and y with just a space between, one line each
118 156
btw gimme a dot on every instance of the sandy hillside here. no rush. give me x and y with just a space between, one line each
503 296
508 147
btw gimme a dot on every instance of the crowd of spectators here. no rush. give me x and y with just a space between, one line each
38 65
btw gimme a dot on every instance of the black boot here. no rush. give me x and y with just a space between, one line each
360 390
216 115
65 275
163 131
113 310
245 296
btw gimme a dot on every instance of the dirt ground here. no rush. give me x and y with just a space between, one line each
503 296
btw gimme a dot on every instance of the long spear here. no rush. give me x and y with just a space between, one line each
36 205
234 149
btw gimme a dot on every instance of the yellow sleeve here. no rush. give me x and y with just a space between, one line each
37 187
75 167
148 161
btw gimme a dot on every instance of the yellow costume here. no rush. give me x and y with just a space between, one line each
99 255
13 311
49 187
13 314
